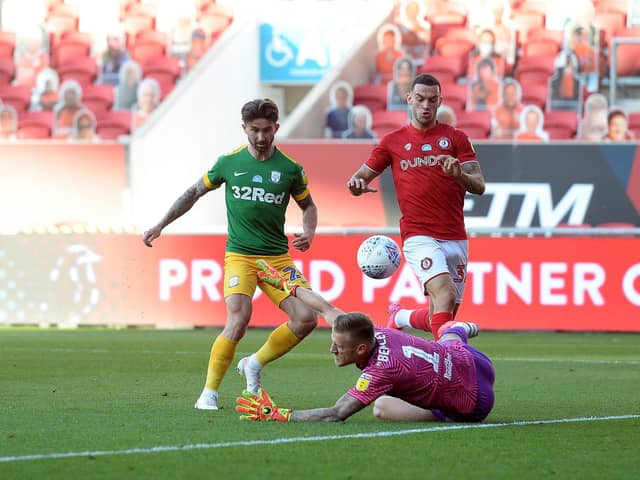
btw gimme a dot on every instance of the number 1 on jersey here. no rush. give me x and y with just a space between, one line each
432 358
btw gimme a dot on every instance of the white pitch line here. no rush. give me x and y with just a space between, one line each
323 438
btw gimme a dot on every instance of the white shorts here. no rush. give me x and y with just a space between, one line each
430 257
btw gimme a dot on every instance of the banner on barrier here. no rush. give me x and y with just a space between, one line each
513 283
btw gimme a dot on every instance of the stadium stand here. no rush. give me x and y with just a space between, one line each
76 55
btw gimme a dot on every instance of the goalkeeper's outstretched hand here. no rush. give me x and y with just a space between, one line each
260 408
273 277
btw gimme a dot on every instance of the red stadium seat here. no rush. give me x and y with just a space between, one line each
634 120
628 60
442 23
384 121
58 25
547 35
17 96
35 125
616 225
371 95
476 124
143 52
536 94
455 48
7 70
113 124
7 44
539 6
98 98
139 8
83 70
462 33
525 22
455 95
445 69
133 24
214 24
534 70
609 23
561 121
540 48
68 51
164 69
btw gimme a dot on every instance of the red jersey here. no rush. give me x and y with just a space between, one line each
422 372
430 200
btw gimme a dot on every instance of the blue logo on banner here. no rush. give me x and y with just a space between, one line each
293 54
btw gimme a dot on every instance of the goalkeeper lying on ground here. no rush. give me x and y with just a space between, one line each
409 378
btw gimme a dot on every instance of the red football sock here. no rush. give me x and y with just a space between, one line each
419 319
439 319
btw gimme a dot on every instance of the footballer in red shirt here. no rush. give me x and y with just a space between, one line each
433 166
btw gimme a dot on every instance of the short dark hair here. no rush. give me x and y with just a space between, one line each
260 108
358 325
615 113
426 79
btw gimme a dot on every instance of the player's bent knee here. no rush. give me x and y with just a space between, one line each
382 408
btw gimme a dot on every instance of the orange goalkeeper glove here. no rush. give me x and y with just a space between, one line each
273 277
261 408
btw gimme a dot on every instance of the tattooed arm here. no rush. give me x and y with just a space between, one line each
181 206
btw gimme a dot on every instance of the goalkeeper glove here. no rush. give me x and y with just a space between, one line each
261 408
270 275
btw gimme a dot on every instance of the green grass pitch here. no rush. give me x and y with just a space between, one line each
94 403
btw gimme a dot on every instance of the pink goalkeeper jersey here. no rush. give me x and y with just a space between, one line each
430 201
422 372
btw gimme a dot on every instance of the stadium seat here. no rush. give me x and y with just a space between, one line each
371 95
98 98
462 33
7 44
17 96
143 52
58 25
547 35
163 69
7 70
83 70
628 60
63 9
455 95
67 51
384 121
476 124
609 23
445 69
534 70
561 122
634 120
442 23
540 48
138 8
539 6
213 24
525 22
455 48
536 94
113 124
133 24
35 125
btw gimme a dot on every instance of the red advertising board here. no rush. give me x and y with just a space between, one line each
513 283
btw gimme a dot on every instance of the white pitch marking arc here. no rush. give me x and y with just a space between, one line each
322 438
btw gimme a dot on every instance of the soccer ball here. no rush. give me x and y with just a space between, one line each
379 256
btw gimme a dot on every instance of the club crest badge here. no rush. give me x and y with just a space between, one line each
275 176
444 143
426 263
